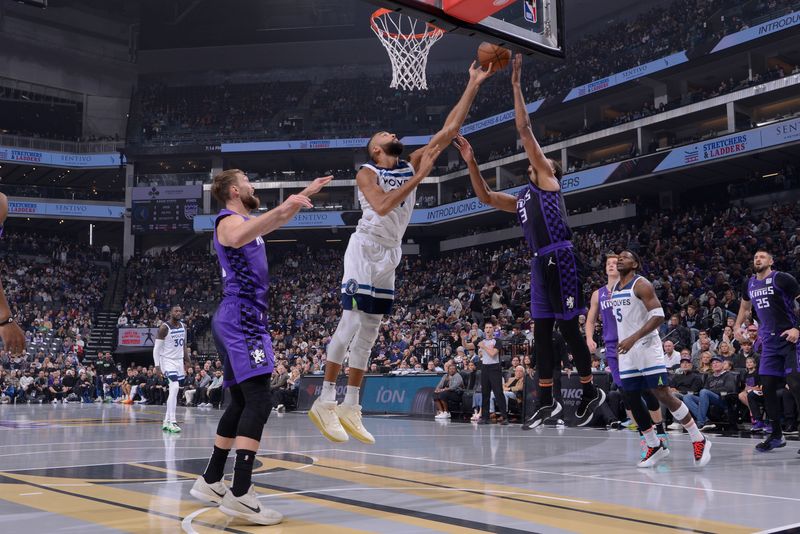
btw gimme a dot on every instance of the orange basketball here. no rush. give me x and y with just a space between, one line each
498 56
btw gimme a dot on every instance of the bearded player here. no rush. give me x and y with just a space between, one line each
386 191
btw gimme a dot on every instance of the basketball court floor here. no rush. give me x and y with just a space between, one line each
109 468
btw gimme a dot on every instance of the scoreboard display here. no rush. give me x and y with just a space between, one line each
165 208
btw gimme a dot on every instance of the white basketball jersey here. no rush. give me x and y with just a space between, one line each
630 312
175 343
390 228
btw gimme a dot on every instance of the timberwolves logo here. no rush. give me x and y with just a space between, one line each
351 287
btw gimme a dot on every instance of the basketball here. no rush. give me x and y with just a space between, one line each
498 56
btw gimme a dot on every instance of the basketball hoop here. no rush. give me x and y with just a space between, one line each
408 41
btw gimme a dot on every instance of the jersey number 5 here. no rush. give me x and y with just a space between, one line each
618 314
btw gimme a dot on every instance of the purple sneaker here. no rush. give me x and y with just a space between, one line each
758 427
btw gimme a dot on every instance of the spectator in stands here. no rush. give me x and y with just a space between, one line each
719 384
214 390
684 383
672 357
677 333
448 392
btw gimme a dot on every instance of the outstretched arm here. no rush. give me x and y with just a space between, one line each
543 177
501 201
236 232
457 116
384 202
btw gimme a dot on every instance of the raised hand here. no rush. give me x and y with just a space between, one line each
464 148
429 157
299 202
317 185
478 74
516 72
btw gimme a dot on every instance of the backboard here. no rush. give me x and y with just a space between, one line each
528 26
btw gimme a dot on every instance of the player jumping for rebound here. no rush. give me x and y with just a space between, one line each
600 305
638 314
556 278
171 354
386 191
241 335
774 294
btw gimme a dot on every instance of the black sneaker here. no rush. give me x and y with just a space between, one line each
770 443
586 407
542 413
614 425
791 429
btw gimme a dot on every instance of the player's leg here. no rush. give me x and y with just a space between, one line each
241 501
565 283
654 407
209 487
172 402
771 369
356 273
546 406
632 391
680 412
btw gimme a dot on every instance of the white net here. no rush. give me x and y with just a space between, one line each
408 41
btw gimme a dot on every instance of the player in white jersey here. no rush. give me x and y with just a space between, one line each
641 360
171 354
386 191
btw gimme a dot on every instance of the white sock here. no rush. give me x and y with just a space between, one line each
694 432
172 401
650 438
328 392
351 397
133 392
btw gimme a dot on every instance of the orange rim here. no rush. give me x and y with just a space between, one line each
383 11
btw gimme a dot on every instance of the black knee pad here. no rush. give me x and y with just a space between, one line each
229 422
650 400
257 407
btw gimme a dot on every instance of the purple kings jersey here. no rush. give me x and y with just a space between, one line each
609 321
543 217
773 300
245 273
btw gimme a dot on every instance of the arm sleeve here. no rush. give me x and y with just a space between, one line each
157 346
788 284
745 292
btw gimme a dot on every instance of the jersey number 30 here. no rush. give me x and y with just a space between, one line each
178 342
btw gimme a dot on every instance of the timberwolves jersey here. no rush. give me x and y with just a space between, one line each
609 322
630 313
543 217
389 229
773 300
245 273
175 343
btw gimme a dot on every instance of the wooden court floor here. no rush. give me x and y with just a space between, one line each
109 468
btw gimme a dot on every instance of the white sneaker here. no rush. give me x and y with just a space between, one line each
350 417
208 493
323 415
55 401
675 426
64 401
248 508
281 408
445 415
653 456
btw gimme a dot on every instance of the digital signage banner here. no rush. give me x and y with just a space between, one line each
22 207
58 159
775 25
